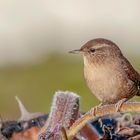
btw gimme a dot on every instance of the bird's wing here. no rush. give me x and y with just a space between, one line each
131 73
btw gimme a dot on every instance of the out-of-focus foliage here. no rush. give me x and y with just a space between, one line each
36 84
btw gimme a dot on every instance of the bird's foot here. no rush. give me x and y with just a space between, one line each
119 104
94 110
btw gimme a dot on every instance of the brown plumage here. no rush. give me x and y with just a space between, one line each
108 74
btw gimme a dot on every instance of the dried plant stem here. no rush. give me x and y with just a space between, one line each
64 112
100 111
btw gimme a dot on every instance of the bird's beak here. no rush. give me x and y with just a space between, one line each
76 51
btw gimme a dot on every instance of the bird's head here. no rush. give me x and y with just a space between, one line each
98 50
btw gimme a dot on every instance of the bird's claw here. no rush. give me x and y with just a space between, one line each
119 104
93 111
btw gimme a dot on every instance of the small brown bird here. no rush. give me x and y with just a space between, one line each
108 74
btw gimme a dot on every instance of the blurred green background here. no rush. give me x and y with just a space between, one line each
35 37
36 84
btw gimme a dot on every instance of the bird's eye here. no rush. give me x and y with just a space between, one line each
92 50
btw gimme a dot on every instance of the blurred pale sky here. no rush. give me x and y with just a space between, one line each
32 28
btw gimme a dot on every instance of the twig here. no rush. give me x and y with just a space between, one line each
100 111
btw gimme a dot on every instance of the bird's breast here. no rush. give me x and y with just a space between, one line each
104 81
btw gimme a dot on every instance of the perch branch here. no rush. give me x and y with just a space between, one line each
100 111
